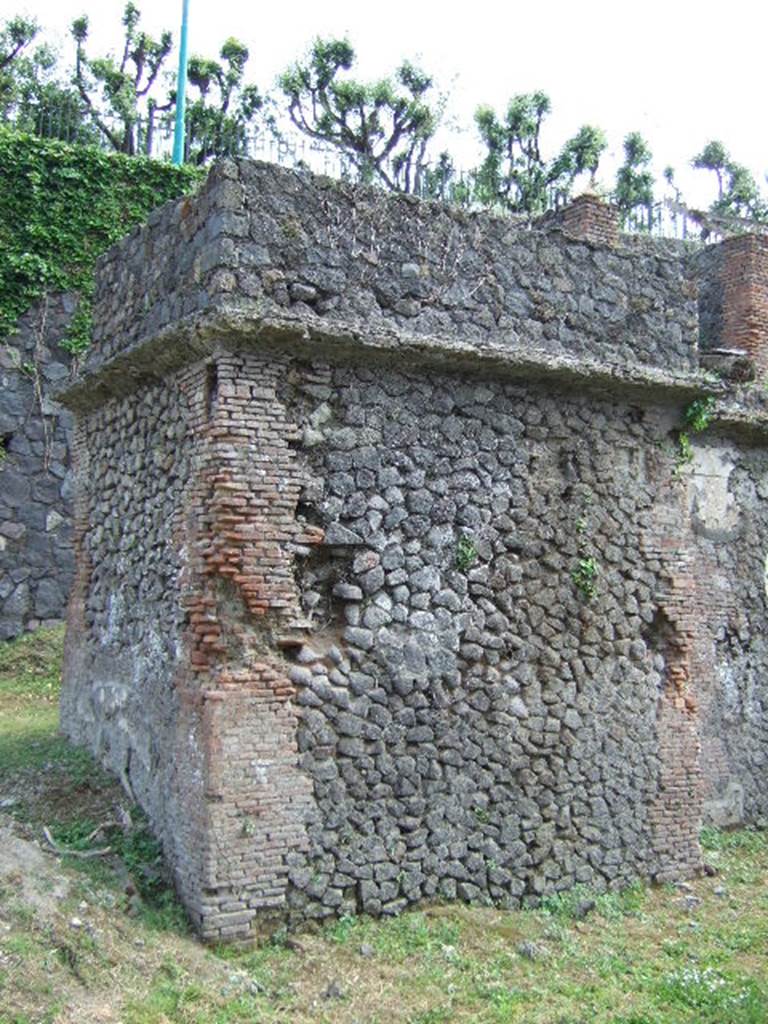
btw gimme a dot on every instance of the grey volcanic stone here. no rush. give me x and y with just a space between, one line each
34 468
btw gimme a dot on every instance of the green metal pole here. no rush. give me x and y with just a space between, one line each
181 89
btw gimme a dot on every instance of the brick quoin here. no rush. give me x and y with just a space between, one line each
744 279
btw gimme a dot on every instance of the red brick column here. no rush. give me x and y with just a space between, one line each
744 279
589 219
243 606
676 812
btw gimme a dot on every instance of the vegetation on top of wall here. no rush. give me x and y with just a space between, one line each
382 131
61 206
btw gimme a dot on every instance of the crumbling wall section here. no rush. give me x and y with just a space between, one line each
244 614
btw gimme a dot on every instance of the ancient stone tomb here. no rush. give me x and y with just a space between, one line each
392 581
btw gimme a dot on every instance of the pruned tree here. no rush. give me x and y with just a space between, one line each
117 92
383 128
33 96
219 119
737 191
514 174
635 181
16 35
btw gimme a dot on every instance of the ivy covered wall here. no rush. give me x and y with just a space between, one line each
60 208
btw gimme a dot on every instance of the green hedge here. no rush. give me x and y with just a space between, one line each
61 206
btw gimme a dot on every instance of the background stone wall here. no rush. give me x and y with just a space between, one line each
36 558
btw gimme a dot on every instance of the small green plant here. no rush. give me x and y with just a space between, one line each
343 929
699 414
585 576
684 450
466 554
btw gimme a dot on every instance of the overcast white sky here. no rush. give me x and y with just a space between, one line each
680 73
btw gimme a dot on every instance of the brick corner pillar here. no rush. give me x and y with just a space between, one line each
589 219
744 280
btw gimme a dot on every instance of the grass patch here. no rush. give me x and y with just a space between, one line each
580 901
749 840
715 996
412 934
57 785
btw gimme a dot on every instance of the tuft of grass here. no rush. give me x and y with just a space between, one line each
715 996
169 1001
750 839
610 905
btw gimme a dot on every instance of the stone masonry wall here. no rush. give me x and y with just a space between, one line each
134 468
482 729
36 557
402 691
358 262
376 606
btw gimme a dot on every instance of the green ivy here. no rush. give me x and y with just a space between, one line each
61 206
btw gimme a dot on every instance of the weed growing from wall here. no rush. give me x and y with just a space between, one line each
466 554
585 576
586 572
697 416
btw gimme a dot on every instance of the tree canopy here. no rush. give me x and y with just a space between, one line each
383 127
387 131
219 118
737 191
515 174
635 182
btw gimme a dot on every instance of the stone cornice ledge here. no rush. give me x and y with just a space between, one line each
198 336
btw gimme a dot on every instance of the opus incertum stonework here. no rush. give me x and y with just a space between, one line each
395 580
